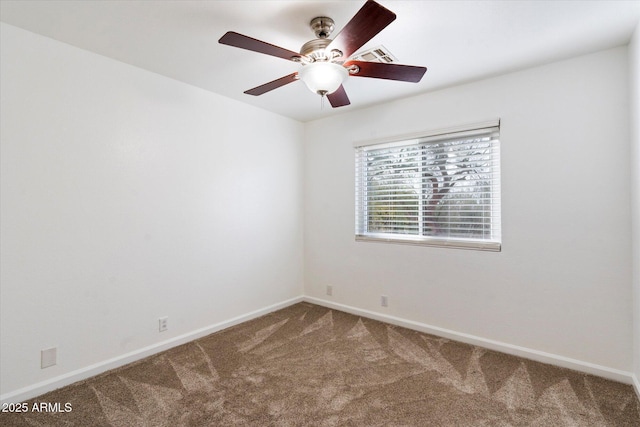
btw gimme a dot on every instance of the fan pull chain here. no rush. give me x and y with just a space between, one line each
322 94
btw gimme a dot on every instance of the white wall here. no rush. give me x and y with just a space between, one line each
634 73
127 196
561 283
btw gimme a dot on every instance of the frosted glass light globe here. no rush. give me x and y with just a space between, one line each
323 77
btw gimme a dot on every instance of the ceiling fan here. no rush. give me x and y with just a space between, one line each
325 62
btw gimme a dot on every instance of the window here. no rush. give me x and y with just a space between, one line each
440 189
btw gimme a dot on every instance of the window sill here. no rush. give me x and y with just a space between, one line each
479 245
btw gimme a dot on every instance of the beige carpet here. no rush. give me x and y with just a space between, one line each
311 366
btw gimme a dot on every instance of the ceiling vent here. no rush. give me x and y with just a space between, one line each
376 54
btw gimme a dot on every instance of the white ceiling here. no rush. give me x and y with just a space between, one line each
458 41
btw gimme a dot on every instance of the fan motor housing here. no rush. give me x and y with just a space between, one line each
314 48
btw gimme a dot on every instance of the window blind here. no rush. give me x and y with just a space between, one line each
438 189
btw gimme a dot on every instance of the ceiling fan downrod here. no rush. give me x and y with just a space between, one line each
314 50
322 26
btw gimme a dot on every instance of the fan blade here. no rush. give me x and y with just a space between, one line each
369 21
338 98
245 42
259 90
380 70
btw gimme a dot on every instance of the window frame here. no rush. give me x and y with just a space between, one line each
493 243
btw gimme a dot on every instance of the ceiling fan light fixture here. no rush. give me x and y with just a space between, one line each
323 77
326 63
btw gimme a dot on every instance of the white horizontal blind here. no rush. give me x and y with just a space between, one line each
439 190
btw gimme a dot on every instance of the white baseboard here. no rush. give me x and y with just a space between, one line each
636 384
32 391
527 353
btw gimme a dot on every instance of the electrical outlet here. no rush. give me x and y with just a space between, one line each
329 290
48 357
384 300
163 324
